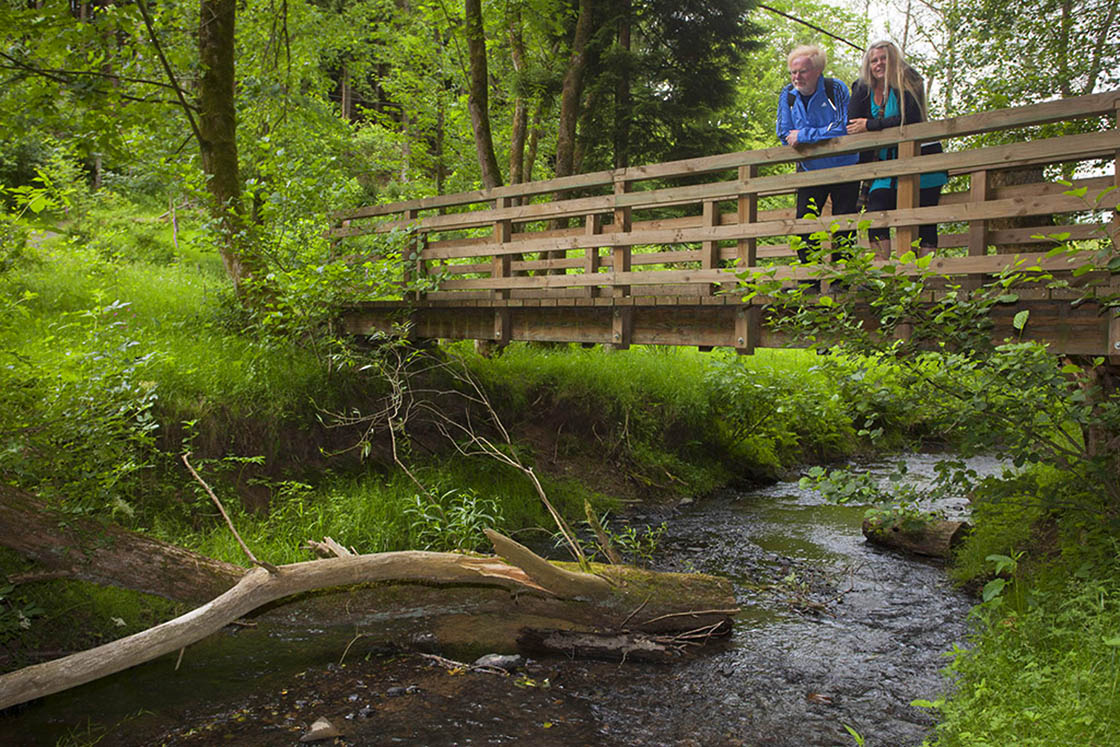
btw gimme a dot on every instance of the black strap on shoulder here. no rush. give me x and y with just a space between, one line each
829 91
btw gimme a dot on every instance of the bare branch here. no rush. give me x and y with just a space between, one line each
253 558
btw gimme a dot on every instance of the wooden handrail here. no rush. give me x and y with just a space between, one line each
667 238
1101 104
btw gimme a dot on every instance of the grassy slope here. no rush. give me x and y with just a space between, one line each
646 424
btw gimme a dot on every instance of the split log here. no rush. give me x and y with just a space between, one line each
632 598
935 538
88 549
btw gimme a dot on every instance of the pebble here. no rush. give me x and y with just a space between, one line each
320 729
499 661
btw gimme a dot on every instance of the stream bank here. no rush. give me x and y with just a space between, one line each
833 632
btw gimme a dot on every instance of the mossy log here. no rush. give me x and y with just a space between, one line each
613 597
933 538
84 548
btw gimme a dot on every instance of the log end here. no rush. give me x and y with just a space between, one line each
931 537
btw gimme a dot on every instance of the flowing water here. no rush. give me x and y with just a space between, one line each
834 632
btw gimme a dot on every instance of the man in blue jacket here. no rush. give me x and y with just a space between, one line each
811 109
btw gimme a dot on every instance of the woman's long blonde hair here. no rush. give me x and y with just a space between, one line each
899 76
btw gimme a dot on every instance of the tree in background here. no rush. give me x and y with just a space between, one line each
765 70
984 54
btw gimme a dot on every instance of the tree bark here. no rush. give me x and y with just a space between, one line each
622 99
478 101
82 548
520 128
571 92
934 538
217 124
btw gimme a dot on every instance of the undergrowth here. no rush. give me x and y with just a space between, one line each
1043 664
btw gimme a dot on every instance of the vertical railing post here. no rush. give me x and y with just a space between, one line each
620 254
503 230
412 253
1114 234
979 192
709 250
1114 228
747 248
593 226
905 236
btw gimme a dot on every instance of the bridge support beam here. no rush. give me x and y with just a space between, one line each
622 325
747 321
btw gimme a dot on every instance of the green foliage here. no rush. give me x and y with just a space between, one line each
15 614
453 521
638 546
1042 668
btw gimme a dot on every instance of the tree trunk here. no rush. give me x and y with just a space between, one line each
571 92
1015 177
478 102
73 546
622 100
618 597
520 127
217 124
933 538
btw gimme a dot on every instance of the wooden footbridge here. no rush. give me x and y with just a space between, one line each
653 254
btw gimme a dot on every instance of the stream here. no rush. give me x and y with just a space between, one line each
834 633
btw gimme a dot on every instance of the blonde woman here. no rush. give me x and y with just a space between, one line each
889 93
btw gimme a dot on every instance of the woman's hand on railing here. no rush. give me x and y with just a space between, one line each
856 126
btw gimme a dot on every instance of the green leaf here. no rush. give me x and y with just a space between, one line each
1020 319
994 588
825 300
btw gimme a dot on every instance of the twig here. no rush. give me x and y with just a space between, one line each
252 558
347 649
451 664
188 109
692 613
636 611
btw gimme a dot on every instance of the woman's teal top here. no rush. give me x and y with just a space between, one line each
936 179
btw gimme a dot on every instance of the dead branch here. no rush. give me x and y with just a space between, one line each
259 587
229 522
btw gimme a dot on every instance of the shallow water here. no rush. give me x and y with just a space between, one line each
833 632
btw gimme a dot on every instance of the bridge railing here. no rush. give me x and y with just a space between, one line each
683 228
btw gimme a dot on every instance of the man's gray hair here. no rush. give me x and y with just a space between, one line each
815 54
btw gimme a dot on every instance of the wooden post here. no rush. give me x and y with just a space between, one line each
979 192
747 318
905 236
620 255
747 249
411 249
1114 229
593 226
709 250
1113 337
503 326
503 230
621 324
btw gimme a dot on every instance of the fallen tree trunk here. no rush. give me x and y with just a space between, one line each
933 538
585 599
87 549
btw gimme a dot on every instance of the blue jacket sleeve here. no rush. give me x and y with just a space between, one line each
785 117
837 125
